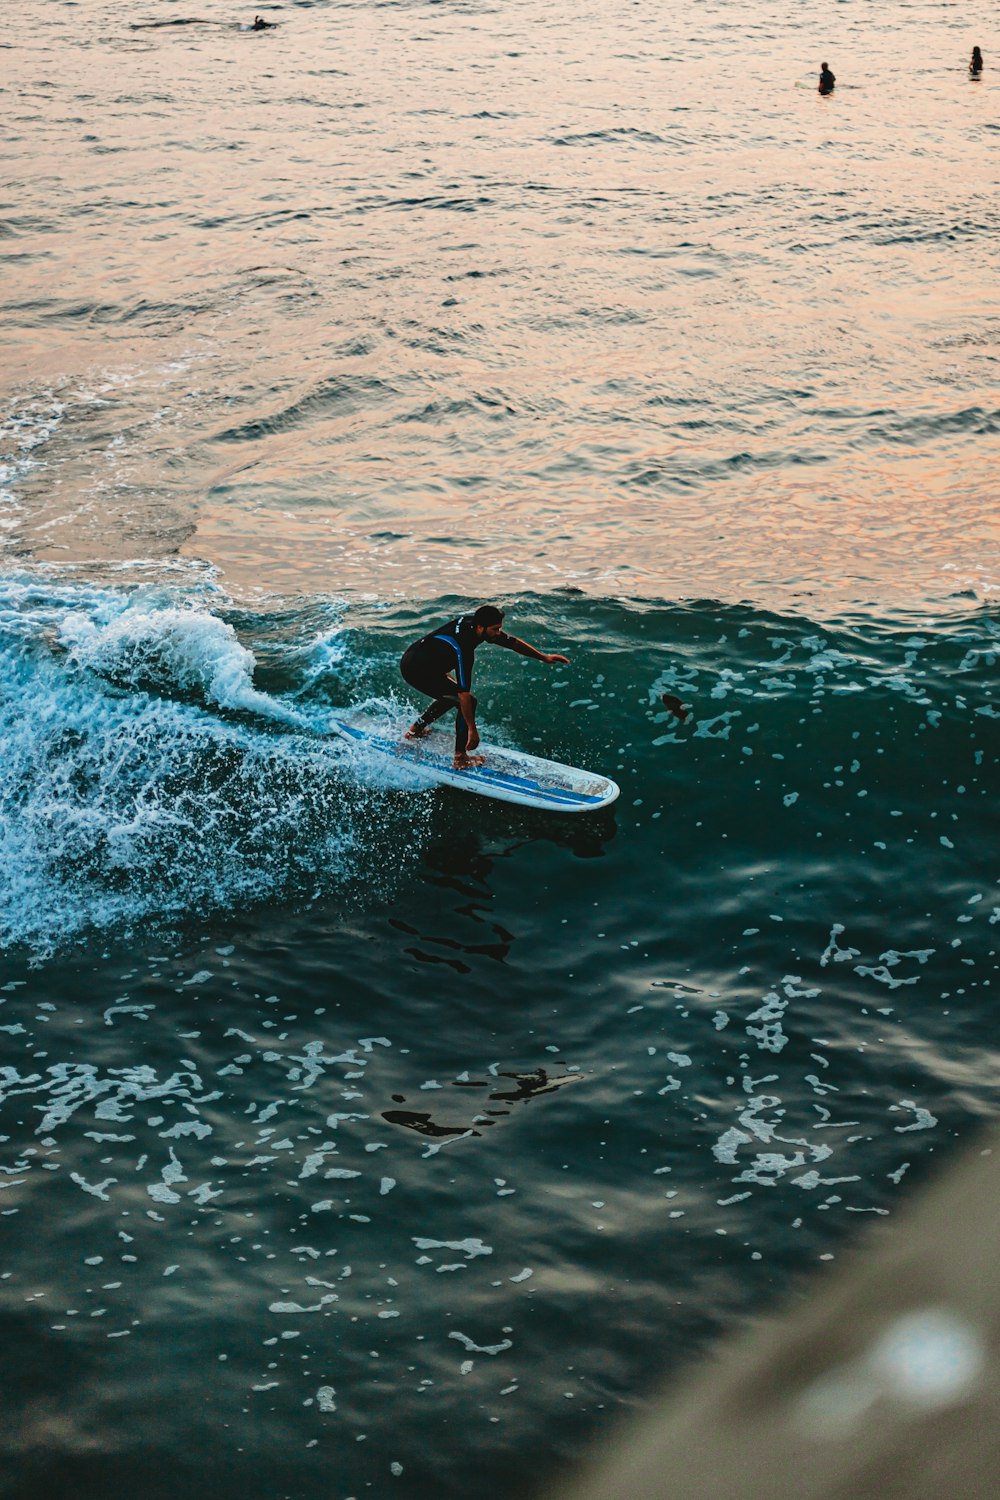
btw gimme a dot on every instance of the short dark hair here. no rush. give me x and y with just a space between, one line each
488 614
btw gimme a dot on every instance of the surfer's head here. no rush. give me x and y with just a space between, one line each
488 619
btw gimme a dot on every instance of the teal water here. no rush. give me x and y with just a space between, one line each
360 1139
351 1125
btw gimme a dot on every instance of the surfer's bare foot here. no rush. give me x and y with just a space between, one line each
466 762
417 731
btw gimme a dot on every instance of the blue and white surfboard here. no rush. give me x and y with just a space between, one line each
507 776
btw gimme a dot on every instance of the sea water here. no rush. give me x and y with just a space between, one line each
360 1139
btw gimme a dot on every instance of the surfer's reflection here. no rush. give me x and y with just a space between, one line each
464 862
463 865
523 1086
585 840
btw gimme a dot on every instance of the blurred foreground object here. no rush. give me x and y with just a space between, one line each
886 1384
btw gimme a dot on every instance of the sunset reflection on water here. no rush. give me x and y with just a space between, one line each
392 298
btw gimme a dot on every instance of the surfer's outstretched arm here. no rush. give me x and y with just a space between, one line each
522 648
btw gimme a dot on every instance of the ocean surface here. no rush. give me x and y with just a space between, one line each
363 1140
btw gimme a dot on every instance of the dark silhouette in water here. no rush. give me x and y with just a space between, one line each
826 79
181 21
258 24
524 1086
976 63
675 705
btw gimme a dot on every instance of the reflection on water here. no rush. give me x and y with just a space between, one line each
461 866
482 299
525 1086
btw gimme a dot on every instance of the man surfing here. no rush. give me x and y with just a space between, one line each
440 665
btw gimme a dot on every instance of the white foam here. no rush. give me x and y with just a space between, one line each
470 1247
473 1348
922 1118
148 779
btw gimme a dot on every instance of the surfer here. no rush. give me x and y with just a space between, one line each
826 79
976 63
259 25
428 664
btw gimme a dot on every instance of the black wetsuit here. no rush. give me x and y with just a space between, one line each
826 81
427 663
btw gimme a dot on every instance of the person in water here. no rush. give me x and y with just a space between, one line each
826 79
976 64
259 25
429 663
